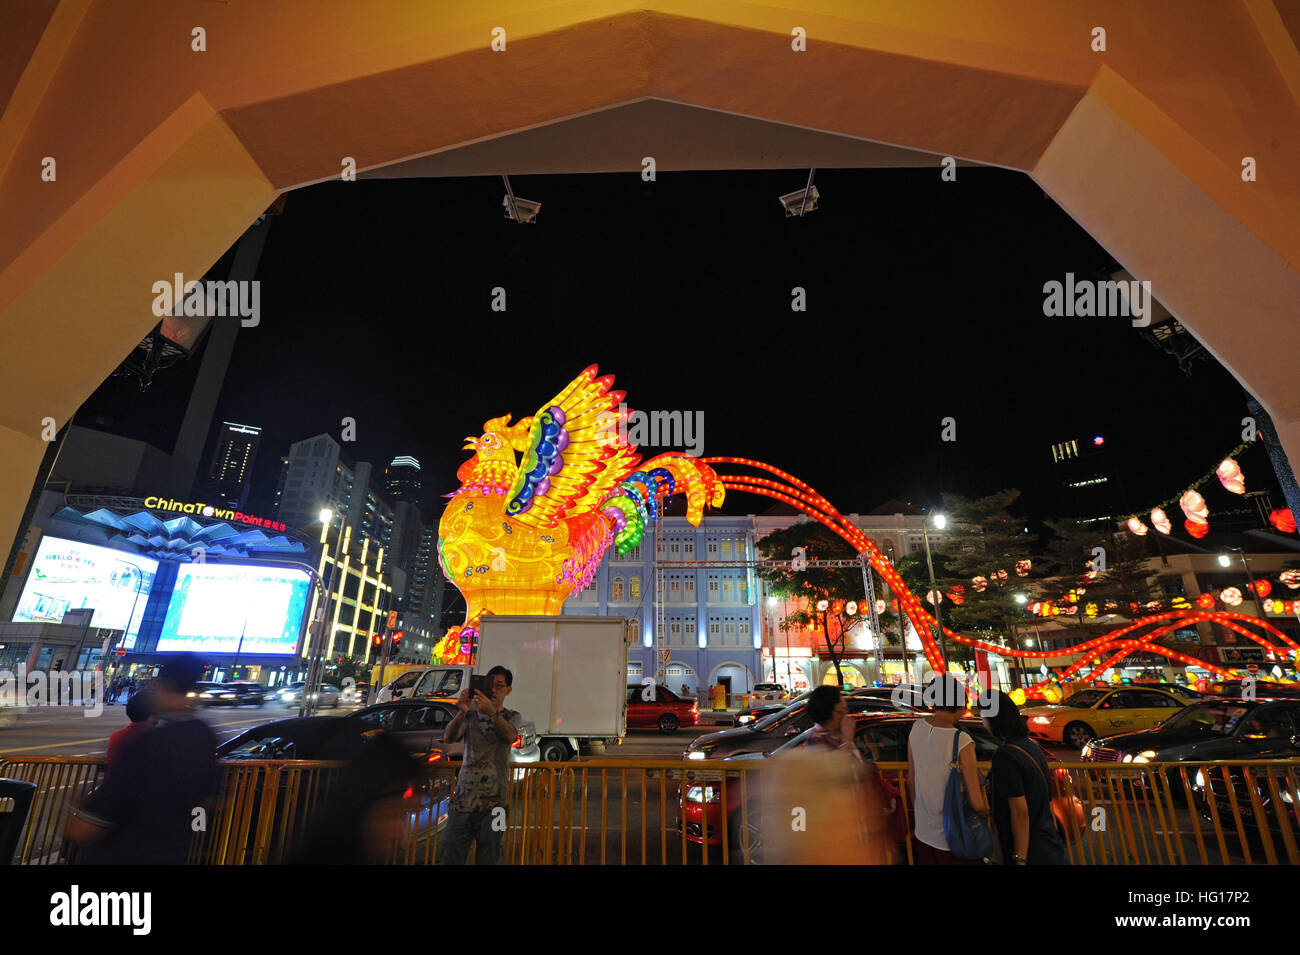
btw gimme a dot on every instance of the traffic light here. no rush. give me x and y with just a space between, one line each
377 641
396 643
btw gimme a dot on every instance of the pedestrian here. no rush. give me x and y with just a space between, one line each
832 726
367 809
929 763
478 807
686 690
142 812
141 716
1022 798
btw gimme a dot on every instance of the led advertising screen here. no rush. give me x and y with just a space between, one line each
70 575
229 608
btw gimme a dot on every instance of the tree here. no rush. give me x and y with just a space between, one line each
835 585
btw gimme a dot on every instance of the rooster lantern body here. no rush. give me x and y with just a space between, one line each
542 500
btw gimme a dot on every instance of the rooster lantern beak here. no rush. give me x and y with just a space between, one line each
471 444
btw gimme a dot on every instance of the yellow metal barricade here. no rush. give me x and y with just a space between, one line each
645 812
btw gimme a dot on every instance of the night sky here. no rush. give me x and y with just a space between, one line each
924 301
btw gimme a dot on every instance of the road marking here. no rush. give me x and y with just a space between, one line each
98 739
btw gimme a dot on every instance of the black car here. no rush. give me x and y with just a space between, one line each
1177 689
1217 729
771 731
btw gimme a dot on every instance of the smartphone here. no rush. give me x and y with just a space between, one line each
478 684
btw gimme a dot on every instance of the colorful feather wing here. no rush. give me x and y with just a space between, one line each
576 454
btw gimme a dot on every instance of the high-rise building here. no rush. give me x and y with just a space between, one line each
232 461
1087 485
320 475
402 479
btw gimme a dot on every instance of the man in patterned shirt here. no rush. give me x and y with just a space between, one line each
477 813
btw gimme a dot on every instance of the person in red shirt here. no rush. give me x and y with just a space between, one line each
138 712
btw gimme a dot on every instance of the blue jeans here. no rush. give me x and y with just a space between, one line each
464 828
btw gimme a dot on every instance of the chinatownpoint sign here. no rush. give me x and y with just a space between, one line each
209 510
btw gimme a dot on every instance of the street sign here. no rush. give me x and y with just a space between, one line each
665 656
392 619
120 651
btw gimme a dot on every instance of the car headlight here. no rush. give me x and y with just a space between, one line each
225 696
1285 796
1042 720
1128 758
191 693
745 719
1087 750
701 794
1143 757
1200 779
697 754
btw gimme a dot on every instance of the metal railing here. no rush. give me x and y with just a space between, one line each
623 812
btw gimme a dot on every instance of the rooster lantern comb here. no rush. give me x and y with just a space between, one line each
542 500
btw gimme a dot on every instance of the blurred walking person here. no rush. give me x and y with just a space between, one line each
142 812
140 713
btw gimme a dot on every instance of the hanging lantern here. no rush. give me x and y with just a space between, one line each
880 606
1283 520
1194 507
1023 567
1047 608
822 605
851 608
1262 588
1196 530
1231 597
981 583
1002 575
957 594
1035 607
1160 521
1291 578
931 596
1072 597
837 607
1090 610
1136 526
1153 605
1230 476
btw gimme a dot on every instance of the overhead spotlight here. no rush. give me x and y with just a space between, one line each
521 210
802 202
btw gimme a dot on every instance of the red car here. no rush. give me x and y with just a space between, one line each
651 705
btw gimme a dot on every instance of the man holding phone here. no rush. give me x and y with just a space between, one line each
477 813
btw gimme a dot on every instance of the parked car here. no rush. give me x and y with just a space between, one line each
649 705
1089 714
879 737
354 694
234 693
768 693
771 731
328 696
1216 729
420 725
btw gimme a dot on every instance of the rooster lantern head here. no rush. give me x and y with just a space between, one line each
494 462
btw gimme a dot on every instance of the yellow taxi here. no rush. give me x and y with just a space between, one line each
1094 713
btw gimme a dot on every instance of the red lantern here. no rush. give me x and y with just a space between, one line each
1283 520
957 595
1262 588
1197 530
1205 601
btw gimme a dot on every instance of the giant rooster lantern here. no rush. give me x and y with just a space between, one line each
542 500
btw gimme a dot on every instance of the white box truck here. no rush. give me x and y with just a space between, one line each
570 676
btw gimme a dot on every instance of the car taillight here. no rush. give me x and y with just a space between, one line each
434 757
518 743
410 792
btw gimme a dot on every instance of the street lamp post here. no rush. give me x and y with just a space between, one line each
940 522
